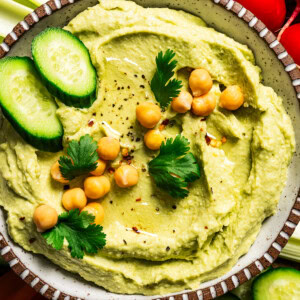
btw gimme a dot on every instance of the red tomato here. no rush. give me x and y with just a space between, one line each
271 12
291 41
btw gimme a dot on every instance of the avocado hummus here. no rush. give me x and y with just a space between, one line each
157 244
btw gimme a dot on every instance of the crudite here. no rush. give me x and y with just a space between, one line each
155 243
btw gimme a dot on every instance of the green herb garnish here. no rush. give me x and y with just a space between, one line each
174 167
82 158
81 235
163 87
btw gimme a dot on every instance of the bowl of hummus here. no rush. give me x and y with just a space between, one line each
212 194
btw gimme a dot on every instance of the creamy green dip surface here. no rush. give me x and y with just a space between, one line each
182 242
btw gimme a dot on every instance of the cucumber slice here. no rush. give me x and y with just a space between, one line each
277 284
65 65
27 104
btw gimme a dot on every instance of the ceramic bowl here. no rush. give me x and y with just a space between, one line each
279 72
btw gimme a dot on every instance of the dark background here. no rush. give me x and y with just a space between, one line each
290 5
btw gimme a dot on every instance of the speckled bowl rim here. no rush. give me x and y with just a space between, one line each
229 283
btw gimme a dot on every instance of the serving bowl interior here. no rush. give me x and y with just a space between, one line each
231 19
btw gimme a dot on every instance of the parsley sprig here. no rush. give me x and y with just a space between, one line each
174 167
81 235
82 158
163 87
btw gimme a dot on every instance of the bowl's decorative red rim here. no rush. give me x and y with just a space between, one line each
232 281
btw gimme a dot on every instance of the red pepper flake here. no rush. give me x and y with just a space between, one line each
165 122
90 123
135 230
22 219
138 199
111 170
161 127
206 227
128 157
32 240
223 140
207 139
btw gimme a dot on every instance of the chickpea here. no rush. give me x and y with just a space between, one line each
148 114
126 176
204 105
56 174
45 217
96 187
101 166
108 148
153 139
232 98
74 198
183 102
96 210
200 82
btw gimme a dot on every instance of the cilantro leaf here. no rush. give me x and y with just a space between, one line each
174 167
82 158
163 88
76 227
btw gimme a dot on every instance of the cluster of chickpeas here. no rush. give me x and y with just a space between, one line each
94 187
148 114
201 101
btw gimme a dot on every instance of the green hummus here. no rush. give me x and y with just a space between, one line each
180 242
